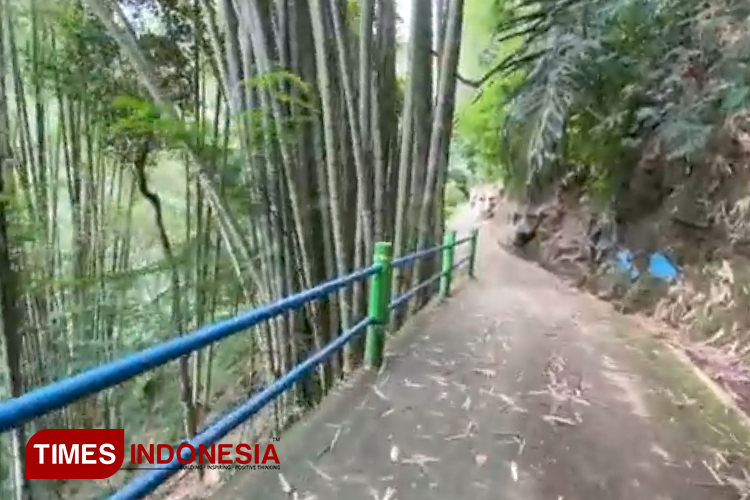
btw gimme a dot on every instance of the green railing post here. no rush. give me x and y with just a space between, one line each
380 297
447 268
473 250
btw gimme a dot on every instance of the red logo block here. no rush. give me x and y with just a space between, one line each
74 453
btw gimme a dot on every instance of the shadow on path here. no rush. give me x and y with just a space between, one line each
516 388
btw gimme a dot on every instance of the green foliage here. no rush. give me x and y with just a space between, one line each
353 11
85 241
480 121
299 94
478 128
454 196
79 59
593 83
291 92
137 117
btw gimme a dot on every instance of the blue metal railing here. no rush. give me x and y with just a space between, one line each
41 401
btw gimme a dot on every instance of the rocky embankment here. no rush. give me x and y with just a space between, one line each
703 313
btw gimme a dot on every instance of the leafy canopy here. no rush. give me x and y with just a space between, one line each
592 84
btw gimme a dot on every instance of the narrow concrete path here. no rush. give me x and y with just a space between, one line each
516 388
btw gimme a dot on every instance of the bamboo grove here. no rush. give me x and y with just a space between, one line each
168 163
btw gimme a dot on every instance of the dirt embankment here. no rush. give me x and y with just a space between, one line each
700 217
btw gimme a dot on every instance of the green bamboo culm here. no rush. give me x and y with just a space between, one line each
446 277
380 298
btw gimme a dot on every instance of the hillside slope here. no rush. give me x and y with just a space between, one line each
700 222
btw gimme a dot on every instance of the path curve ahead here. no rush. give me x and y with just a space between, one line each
516 388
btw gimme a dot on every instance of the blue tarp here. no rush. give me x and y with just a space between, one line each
660 266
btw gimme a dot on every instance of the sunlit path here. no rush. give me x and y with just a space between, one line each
516 388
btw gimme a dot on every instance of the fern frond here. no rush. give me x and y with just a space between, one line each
540 111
